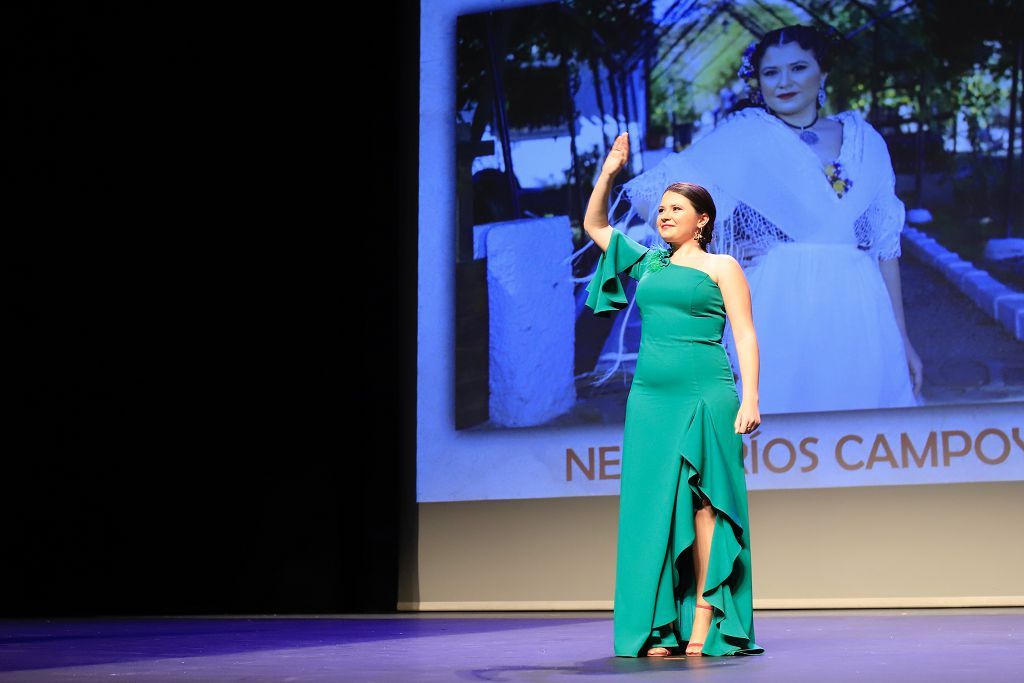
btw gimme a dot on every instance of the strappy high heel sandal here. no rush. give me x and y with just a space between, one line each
698 653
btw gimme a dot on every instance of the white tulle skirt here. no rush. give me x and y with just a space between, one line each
826 332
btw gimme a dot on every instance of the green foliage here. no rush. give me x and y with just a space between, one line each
543 37
671 100
925 61
980 95
588 163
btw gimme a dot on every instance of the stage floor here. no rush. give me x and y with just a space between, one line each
883 645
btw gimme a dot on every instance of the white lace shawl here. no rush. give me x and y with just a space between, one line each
769 187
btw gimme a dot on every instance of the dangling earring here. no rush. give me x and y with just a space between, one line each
821 94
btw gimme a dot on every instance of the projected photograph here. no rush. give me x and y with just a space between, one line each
864 163
883 243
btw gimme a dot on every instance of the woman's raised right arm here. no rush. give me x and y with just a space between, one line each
596 221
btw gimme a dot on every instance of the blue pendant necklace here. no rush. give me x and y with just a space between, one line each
808 136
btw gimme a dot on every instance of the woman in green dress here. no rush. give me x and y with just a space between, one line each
683 569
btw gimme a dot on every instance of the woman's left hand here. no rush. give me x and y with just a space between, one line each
748 418
915 366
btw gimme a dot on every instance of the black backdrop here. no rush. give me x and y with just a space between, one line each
211 263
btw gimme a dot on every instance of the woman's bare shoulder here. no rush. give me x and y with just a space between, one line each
724 265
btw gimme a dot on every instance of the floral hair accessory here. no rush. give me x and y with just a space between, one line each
749 77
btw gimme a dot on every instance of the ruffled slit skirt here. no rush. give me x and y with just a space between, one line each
680 448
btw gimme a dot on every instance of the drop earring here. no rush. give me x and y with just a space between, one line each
821 94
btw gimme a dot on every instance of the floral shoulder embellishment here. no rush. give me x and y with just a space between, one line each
658 259
834 172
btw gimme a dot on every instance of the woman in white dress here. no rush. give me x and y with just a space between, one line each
812 215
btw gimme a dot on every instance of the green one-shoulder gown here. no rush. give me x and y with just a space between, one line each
679 447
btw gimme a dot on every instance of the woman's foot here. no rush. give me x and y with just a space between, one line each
701 625
658 652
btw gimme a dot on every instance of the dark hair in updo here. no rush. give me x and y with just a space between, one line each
702 202
824 45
